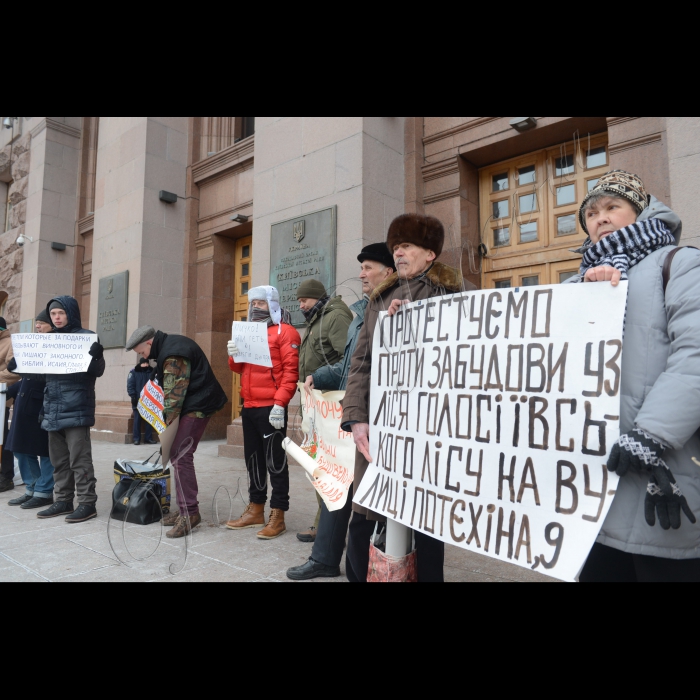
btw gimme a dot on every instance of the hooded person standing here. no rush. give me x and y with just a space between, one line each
135 384
28 442
650 534
69 413
327 323
193 394
267 393
377 266
416 242
7 473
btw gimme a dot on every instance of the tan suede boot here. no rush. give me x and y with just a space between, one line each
171 520
253 517
184 526
275 528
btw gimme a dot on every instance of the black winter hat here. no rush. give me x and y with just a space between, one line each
424 231
378 252
43 317
56 305
3 324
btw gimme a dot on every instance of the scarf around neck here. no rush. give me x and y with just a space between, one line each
317 308
627 247
260 316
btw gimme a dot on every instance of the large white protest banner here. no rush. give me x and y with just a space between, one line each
328 445
492 417
52 353
252 342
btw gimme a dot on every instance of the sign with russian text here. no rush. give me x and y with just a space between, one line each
492 417
151 406
328 445
52 353
253 344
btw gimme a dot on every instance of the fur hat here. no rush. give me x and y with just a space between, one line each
378 252
424 231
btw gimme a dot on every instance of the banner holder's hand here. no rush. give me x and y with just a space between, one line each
604 274
233 350
396 305
309 385
360 433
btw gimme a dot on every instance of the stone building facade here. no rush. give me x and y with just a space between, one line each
191 208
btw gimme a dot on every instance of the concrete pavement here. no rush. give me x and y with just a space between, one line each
33 550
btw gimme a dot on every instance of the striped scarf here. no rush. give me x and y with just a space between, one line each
318 307
627 247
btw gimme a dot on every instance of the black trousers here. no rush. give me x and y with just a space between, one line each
607 565
430 553
264 455
331 534
8 459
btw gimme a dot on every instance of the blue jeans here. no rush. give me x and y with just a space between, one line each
38 479
137 427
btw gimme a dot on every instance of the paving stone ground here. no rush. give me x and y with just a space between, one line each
38 551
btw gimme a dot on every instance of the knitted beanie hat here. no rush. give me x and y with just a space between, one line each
56 305
618 183
311 289
43 317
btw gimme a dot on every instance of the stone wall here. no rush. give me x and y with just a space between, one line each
11 255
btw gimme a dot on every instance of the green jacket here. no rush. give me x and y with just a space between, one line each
325 339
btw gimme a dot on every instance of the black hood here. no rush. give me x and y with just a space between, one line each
72 310
138 368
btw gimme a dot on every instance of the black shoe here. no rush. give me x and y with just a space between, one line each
137 443
84 513
37 503
308 537
22 500
6 485
311 570
152 442
57 510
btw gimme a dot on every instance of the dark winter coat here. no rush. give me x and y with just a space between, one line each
325 339
26 436
69 399
135 383
335 377
441 280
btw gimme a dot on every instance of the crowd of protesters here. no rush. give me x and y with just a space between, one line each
651 533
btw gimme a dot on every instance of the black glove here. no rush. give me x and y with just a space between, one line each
12 365
667 503
639 453
97 352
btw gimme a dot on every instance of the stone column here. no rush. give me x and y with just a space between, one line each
137 158
684 164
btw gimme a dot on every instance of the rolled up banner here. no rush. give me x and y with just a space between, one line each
298 455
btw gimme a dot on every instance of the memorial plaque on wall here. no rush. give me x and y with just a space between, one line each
303 249
112 310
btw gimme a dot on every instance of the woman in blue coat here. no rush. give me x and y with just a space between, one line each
26 438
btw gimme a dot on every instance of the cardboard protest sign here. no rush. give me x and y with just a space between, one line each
251 339
492 417
151 406
52 353
328 445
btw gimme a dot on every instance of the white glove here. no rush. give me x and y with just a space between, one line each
277 418
233 350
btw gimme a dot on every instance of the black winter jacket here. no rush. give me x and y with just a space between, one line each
69 399
26 436
137 380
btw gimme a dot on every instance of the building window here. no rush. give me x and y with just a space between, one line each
248 127
529 211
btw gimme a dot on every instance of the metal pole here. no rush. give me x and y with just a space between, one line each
399 539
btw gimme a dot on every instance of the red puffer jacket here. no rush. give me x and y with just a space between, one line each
276 385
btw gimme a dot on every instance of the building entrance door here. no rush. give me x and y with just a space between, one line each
244 262
529 213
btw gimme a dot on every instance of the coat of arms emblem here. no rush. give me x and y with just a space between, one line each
299 231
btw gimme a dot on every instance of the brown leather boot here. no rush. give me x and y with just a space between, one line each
184 526
254 516
275 528
171 520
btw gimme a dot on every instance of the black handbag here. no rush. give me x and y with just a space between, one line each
137 500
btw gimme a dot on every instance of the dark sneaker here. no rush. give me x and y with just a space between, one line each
311 570
36 503
137 443
57 510
85 512
151 442
308 537
22 500
6 485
